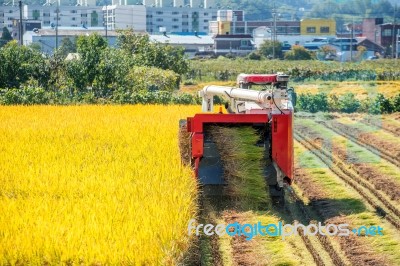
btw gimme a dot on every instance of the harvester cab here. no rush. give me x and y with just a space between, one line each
269 111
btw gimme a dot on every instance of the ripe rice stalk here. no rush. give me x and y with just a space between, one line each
243 165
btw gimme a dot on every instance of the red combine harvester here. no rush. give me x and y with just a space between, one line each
269 111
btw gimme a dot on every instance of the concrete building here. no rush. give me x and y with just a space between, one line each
46 38
317 27
172 19
68 16
180 3
7 15
27 25
192 44
125 17
384 34
241 44
370 29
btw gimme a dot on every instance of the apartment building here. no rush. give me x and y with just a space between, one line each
176 19
125 17
7 15
68 16
180 3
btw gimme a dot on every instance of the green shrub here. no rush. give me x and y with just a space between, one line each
380 105
396 103
348 103
184 98
24 95
255 55
298 53
313 103
151 78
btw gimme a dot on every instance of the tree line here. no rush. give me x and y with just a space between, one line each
135 65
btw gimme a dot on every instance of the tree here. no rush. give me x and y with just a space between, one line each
298 53
19 64
147 53
90 51
67 46
326 53
267 49
5 37
35 46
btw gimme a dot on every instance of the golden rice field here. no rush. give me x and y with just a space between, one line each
93 185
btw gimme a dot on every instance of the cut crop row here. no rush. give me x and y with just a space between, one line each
364 188
333 201
383 175
380 143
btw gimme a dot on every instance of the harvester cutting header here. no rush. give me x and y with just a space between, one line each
269 111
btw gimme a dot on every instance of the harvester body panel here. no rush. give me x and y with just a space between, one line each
269 112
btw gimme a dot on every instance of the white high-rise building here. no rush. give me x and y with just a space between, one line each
165 3
210 4
7 15
86 2
125 17
197 3
150 3
174 19
68 16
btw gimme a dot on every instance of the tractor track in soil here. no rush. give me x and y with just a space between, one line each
385 125
383 207
375 150
325 242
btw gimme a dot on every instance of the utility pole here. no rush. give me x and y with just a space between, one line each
352 37
21 27
393 30
397 44
274 32
57 17
106 22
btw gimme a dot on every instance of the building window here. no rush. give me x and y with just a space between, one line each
73 11
175 27
149 16
185 23
10 11
175 13
387 32
214 18
46 22
83 15
206 20
205 14
239 30
311 30
73 19
244 43
185 16
160 19
205 27
159 12
175 19
324 29
46 14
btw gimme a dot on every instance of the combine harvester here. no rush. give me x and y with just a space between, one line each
269 111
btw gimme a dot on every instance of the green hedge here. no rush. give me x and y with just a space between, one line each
313 103
347 103
30 96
